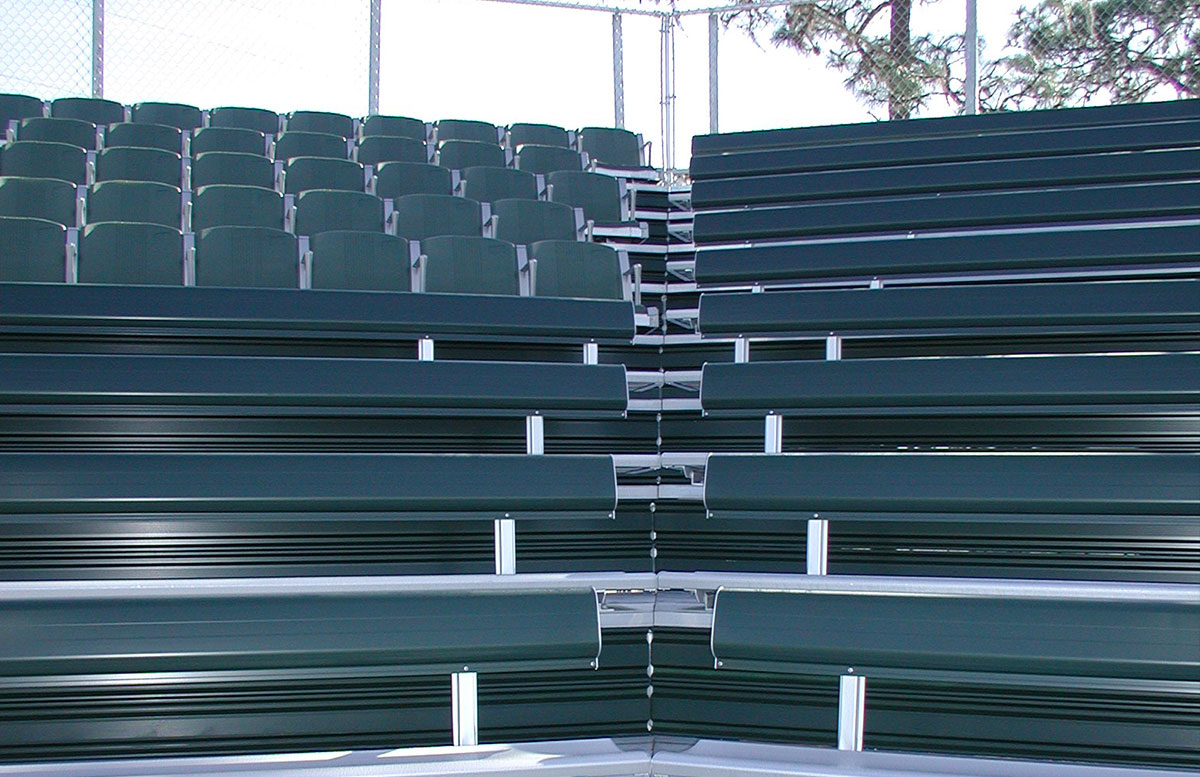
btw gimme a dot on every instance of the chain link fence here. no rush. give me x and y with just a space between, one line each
46 47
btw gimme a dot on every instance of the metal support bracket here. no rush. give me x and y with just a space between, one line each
464 704
852 709
773 434
816 557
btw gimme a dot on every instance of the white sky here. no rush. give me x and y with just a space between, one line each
440 59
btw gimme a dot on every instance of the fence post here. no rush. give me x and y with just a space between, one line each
971 84
97 48
618 72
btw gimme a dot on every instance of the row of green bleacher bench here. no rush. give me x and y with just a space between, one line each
957 347
179 401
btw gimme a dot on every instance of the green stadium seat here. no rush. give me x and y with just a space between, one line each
461 154
145 201
463 129
38 159
543 160
160 136
127 163
598 195
241 141
93 109
362 261
540 134
185 117
292 144
397 179
256 119
399 126
321 121
311 172
523 222
572 268
50 199
470 265
611 147
320 210
131 254
374 149
32 251
236 206
225 167
76 132
14 107
488 184
421 216
257 257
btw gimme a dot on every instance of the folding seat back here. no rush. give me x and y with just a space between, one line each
32 251
236 206
464 129
320 121
461 154
598 195
470 265
40 198
397 126
488 184
93 109
543 160
320 210
145 201
226 167
185 117
572 268
131 253
311 172
38 159
241 141
257 257
398 179
293 143
610 146
421 216
256 119
362 261
127 163
14 107
160 136
527 221
374 149
540 134
76 132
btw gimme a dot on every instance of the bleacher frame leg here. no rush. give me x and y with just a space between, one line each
852 709
464 706
816 556
773 433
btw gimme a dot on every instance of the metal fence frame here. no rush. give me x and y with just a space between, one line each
669 17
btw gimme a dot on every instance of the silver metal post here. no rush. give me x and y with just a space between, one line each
971 84
833 348
425 349
741 350
618 72
535 435
667 91
816 556
504 541
773 434
97 48
464 706
713 38
591 353
373 59
852 710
